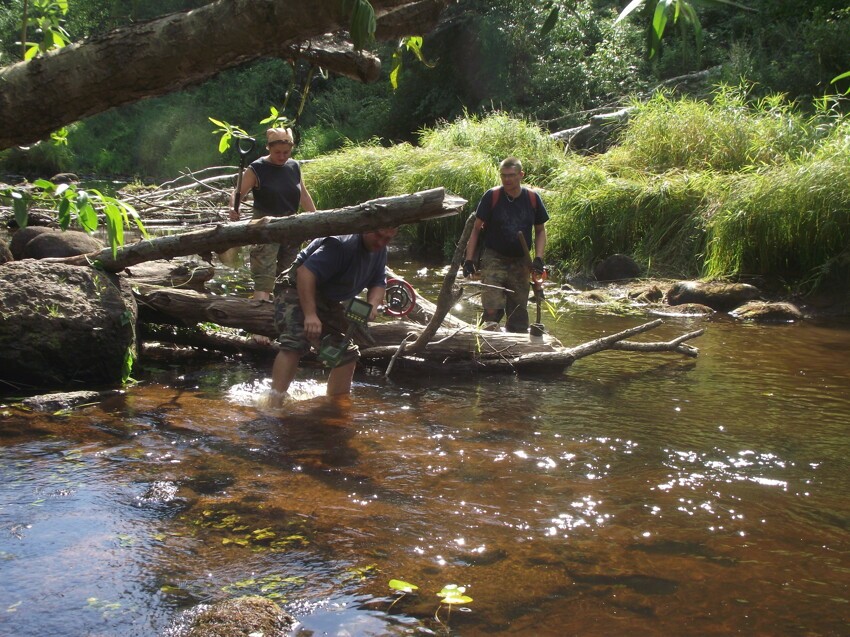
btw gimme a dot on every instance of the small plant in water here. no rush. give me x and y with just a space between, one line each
450 595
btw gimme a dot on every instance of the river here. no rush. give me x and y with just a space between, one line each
641 494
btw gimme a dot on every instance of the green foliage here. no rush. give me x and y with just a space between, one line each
728 134
790 221
363 22
74 204
496 136
46 18
347 177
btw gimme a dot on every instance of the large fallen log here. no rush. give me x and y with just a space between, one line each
370 215
450 349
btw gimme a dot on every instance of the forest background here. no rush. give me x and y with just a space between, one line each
747 175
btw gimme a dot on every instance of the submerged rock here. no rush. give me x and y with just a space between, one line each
764 311
239 617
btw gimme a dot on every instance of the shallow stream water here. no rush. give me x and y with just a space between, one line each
642 494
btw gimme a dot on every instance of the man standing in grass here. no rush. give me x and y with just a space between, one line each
503 213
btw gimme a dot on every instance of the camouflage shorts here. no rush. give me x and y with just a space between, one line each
289 322
514 274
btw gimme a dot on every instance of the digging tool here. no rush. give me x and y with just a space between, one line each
245 145
536 328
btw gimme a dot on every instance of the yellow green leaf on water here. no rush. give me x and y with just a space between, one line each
402 586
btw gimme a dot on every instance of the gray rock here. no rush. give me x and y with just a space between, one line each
40 242
63 326
617 267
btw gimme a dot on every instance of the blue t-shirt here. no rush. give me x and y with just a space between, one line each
278 189
507 218
343 266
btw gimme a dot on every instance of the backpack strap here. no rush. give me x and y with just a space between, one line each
497 192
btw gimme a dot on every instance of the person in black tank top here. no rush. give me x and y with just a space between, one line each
278 190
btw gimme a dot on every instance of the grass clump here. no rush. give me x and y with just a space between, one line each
790 221
659 220
347 177
496 136
729 134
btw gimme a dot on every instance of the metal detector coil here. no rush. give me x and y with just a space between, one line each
399 298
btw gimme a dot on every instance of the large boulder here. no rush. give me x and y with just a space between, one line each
63 326
41 242
718 295
617 267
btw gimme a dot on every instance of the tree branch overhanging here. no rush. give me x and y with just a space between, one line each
181 50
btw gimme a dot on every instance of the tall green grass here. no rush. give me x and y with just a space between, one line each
790 221
659 220
723 189
497 136
729 134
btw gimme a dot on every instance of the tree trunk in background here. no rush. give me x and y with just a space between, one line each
182 50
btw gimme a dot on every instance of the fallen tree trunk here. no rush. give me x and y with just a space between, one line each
459 349
370 215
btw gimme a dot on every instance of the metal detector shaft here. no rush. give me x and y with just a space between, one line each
538 285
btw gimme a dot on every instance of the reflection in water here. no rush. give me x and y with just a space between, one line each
634 495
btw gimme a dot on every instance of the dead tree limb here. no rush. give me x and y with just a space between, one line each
446 298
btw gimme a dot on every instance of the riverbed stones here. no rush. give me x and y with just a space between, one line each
63 326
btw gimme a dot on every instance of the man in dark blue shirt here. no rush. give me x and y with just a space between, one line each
327 273
505 212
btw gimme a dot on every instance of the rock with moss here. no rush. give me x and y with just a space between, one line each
768 312
63 327
718 295
238 617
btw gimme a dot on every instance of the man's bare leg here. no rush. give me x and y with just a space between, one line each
283 373
339 380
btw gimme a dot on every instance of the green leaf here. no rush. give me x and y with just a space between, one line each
19 204
551 21
396 70
224 142
402 586
114 227
634 4
86 212
45 185
65 213
453 594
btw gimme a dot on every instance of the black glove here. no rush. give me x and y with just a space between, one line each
468 268
537 265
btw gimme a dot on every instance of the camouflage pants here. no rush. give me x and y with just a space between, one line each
507 272
268 260
289 322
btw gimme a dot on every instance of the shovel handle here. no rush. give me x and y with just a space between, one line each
244 145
